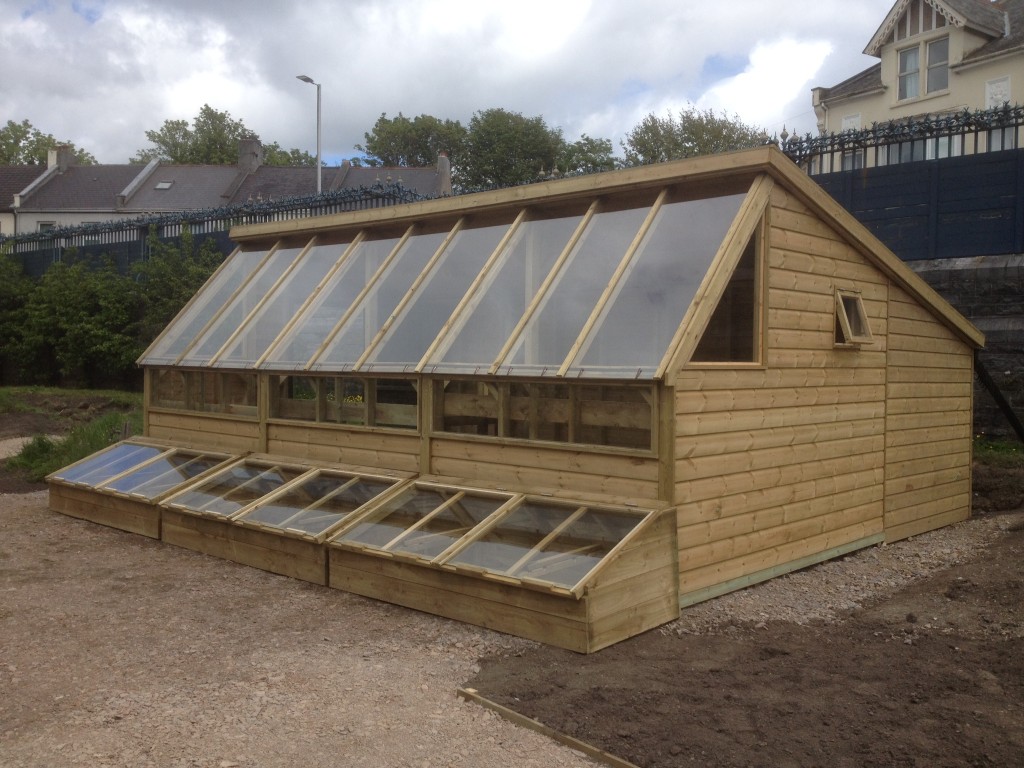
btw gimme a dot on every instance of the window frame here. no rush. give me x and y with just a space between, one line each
851 331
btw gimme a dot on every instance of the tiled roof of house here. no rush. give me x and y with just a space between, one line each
14 179
182 188
1014 10
82 188
863 82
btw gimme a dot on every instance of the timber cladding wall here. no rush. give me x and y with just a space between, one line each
928 423
781 465
232 434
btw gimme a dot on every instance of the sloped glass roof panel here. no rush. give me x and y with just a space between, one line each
318 503
379 303
549 335
186 326
271 318
415 330
330 305
503 298
108 463
576 549
235 488
558 544
424 521
638 323
240 306
173 468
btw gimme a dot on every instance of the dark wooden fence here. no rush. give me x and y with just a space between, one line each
959 206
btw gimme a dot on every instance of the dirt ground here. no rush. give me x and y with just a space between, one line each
923 669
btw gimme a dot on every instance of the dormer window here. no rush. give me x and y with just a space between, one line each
936 54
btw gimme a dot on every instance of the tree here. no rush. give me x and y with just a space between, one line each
273 154
23 144
696 132
212 140
402 142
586 155
505 148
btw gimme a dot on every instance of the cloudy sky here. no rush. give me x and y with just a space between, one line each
100 73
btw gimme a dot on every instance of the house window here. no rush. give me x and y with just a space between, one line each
852 327
910 73
46 226
938 65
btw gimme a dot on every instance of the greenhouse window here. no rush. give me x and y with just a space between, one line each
206 391
346 400
609 415
852 328
732 332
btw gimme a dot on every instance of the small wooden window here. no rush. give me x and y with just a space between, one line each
347 400
851 319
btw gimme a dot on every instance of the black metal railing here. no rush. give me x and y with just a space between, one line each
928 137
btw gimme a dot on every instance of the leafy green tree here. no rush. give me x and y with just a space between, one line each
587 155
273 154
505 148
23 144
695 132
15 288
416 142
212 139
80 326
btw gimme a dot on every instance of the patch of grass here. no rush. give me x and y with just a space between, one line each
998 453
23 399
43 455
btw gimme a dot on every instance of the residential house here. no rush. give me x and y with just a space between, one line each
67 194
935 56
13 179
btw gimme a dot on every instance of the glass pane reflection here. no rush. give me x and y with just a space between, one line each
236 487
165 473
113 461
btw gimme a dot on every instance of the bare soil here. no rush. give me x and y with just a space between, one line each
906 655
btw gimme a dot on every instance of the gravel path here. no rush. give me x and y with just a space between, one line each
119 651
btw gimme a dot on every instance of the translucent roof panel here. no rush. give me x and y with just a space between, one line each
163 474
551 332
545 542
318 503
481 332
376 307
424 521
238 308
277 311
235 488
108 463
331 305
190 322
409 338
638 323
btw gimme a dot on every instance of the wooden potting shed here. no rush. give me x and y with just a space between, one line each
561 410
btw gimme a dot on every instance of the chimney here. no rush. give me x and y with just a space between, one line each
60 157
444 174
250 155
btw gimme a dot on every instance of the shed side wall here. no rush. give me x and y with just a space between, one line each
928 422
781 465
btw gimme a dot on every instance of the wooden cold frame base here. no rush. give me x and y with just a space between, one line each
266 550
635 592
114 511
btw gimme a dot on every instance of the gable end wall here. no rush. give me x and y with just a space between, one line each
780 466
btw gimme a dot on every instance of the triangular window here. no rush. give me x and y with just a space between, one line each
731 335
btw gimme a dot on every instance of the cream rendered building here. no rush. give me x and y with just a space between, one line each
936 56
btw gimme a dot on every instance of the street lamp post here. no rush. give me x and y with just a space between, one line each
308 79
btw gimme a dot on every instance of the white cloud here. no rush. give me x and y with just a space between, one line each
107 73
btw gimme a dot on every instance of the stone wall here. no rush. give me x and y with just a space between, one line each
989 290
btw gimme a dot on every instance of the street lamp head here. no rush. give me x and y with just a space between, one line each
306 79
